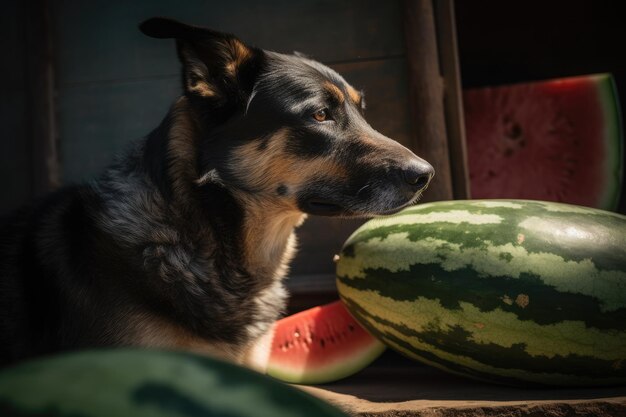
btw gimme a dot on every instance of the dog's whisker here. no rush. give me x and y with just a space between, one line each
245 113
362 188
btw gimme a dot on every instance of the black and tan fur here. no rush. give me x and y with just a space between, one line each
182 244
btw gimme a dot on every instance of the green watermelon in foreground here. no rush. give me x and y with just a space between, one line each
512 291
136 383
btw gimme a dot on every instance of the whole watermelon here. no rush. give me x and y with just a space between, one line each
125 383
515 291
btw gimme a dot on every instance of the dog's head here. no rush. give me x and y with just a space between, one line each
287 129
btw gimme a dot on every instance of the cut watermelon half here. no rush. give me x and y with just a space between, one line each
320 345
557 140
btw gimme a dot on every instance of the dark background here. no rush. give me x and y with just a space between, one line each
110 85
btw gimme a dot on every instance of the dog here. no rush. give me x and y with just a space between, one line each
184 241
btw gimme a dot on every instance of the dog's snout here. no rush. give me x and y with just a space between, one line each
418 174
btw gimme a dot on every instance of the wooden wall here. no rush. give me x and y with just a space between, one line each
114 84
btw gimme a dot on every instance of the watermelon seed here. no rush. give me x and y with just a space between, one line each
350 327
322 343
513 131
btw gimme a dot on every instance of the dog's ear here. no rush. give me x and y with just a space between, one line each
216 66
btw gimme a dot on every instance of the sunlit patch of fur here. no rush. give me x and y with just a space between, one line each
335 91
236 53
269 238
355 96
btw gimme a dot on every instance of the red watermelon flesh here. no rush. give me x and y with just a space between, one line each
320 345
557 140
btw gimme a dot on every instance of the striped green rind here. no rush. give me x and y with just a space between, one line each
512 290
125 383
613 140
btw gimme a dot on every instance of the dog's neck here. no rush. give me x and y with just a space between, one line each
266 228
269 241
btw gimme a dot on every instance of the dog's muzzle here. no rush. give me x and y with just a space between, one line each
417 175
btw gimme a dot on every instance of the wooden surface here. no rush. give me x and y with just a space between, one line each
452 97
394 386
428 129
40 89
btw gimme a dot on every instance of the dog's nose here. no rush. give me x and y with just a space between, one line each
418 174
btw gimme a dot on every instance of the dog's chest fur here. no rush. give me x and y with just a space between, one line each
214 267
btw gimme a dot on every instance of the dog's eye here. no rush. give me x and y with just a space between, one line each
321 115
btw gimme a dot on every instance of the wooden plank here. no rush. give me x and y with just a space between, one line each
396 386
453 97
99 40
428 132
41 99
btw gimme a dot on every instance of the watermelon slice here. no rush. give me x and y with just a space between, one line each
557 140
320 345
